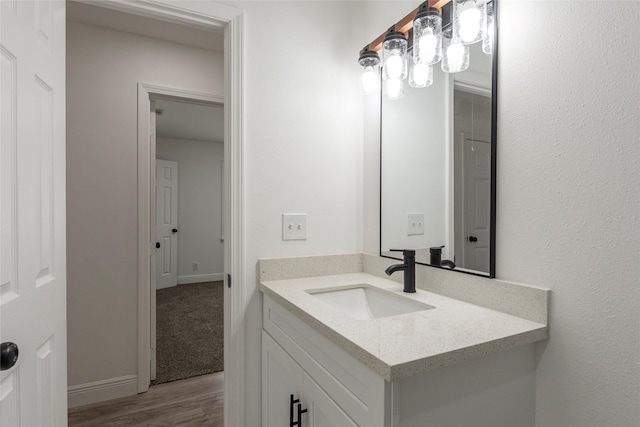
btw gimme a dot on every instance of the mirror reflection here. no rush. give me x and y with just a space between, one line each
436 175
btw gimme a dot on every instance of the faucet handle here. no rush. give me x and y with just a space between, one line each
405 252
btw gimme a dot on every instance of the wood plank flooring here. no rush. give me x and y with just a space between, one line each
195 401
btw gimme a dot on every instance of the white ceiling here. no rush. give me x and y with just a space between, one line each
143 26
181 120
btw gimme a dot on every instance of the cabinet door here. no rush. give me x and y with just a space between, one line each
281 377
322 411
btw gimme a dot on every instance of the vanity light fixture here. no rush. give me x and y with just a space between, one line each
370 79
469 19
394 55
456 54
427 35
439 30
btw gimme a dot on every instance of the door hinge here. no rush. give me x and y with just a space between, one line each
228 280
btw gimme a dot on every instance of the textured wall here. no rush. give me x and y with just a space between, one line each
303 143
568 198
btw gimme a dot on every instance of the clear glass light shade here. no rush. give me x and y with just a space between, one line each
394 89
489 32
455 55
469 19
427 37
394 58
420 75
370 80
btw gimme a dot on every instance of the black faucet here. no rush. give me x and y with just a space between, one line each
409 268
435 258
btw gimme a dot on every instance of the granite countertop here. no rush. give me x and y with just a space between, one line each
409 344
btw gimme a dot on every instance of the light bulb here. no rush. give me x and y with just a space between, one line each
369 80
455 54
427 35
427 45
394 89
394 51
470 20
394 67
421 75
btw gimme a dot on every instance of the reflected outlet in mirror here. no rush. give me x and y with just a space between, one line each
364 302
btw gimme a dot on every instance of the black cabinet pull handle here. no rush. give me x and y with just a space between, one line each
300 412
175 230
8 355
291 403
473 239
157 244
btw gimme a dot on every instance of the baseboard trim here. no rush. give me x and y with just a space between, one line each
99 391
198 278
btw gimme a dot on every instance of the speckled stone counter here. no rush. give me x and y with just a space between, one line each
401 346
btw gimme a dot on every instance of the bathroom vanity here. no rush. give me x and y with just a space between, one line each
351 349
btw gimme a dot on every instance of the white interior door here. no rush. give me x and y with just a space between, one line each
33 392
166 224
477 200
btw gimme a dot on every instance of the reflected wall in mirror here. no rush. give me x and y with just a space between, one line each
437 192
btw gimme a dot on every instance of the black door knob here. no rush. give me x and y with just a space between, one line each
175 230
157 244
8 355
473 239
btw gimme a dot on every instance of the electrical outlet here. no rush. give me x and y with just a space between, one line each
294 226
415 223
194 266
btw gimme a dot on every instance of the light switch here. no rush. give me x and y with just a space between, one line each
294 226
415 223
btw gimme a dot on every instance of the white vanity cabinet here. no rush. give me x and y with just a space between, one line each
291 397
336 389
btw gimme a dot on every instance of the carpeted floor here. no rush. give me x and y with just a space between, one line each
189 330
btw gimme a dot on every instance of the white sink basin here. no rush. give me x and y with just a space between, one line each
365 302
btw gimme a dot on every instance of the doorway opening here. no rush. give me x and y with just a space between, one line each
227 22
187 308
472 181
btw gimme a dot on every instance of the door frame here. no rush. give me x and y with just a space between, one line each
230 19
147 93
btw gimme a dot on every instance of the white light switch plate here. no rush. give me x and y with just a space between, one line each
294 226
415 223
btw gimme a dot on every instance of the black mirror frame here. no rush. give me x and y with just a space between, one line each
494 138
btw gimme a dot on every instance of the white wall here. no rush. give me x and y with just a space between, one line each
199 206
568 204
303 142
103 69
568 214
415 173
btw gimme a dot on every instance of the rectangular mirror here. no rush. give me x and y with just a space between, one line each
437 166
